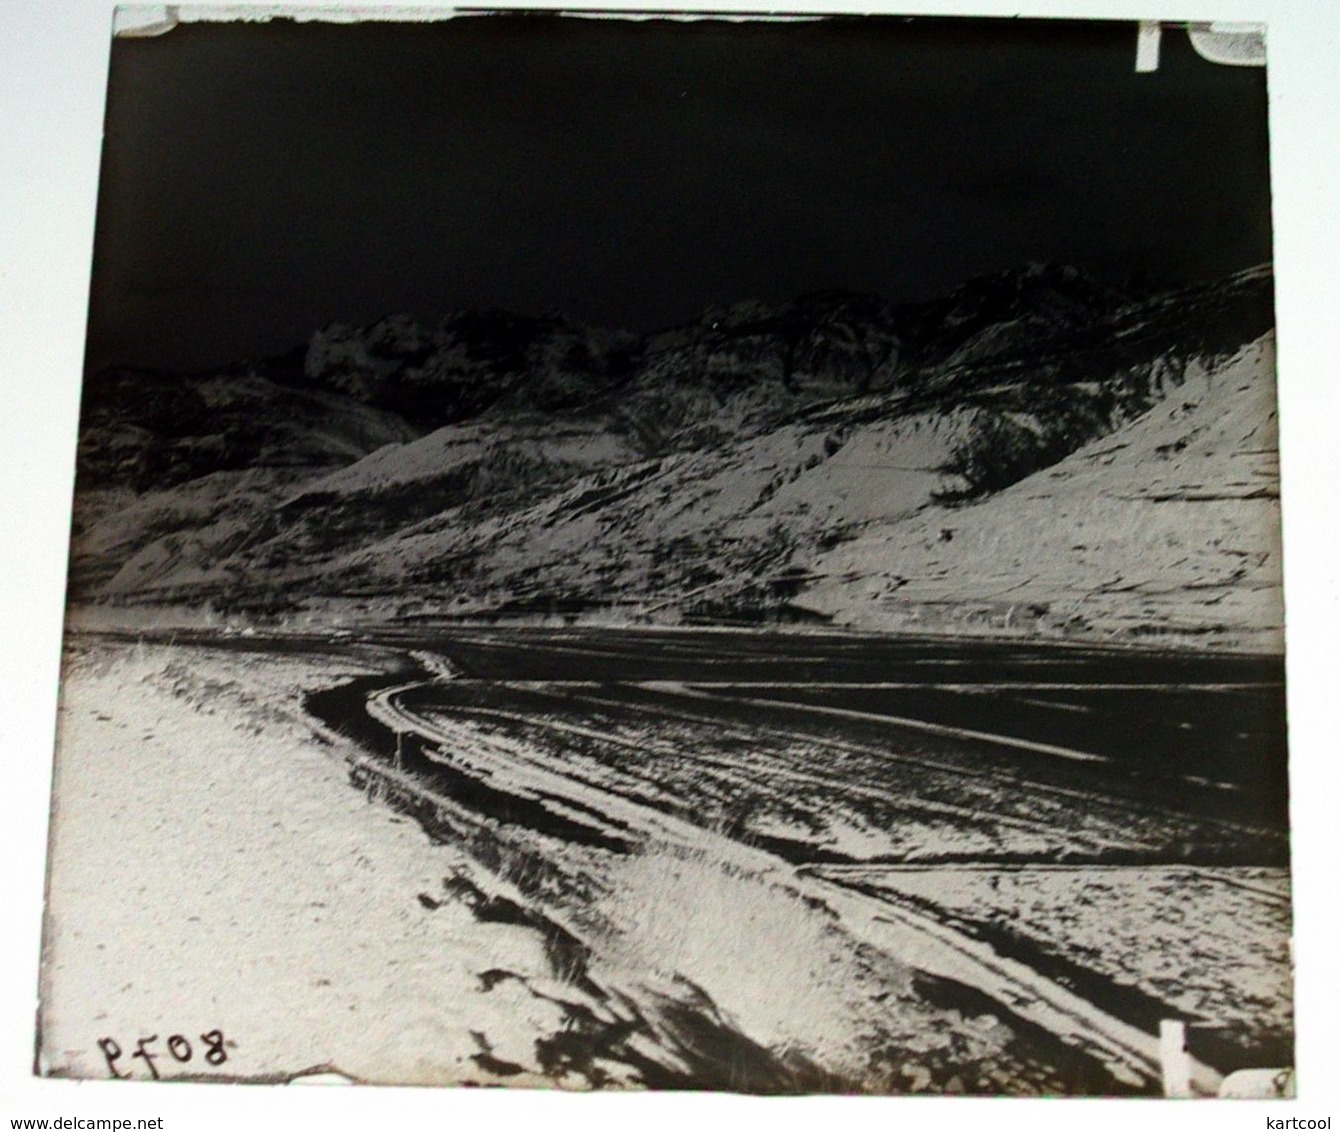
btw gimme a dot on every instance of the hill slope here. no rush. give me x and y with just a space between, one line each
1168 525
835 458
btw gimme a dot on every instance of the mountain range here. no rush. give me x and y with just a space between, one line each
1037 451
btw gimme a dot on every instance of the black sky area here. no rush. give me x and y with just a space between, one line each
261 180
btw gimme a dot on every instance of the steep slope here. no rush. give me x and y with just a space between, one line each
467 363
1167 526
818 459
148 430
512 405
1011 310
707 528
173 470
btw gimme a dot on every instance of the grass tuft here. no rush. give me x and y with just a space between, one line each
770 962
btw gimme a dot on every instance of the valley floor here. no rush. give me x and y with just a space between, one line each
213 868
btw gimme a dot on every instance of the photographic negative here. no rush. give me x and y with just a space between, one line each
673 552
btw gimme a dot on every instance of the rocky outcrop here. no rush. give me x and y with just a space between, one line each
1168 527
148 430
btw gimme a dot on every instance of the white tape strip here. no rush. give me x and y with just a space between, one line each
1147 46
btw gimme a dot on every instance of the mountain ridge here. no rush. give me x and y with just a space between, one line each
500 465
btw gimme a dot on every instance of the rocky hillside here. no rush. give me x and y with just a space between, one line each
833 458
1166 527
